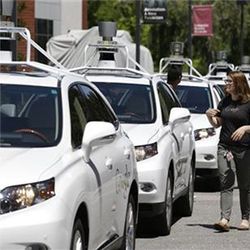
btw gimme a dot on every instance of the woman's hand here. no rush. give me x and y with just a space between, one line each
214 119
239 133
212 112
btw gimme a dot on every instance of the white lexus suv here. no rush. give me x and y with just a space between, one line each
160 129
197 94
68 170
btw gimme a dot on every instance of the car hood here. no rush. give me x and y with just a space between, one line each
141 134
200 121
25 165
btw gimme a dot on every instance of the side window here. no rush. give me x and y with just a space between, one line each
96 108
77 116
167 102
173 95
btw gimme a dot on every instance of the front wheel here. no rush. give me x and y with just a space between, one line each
184 205
164 221
130 226
78 238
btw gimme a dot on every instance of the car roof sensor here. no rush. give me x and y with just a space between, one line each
176 58
221 66
107 53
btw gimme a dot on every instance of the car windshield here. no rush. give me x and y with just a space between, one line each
29 116
196 99
133 103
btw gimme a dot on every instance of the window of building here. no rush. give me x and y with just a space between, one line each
44 31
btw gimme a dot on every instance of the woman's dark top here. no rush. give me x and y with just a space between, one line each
234 114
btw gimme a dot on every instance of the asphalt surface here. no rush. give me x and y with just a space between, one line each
197 232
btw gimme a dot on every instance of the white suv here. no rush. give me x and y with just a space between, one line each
160 129
163 136
68 171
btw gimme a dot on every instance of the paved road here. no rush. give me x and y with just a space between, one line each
196 232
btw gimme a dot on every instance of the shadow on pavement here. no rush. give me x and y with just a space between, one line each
207 184
210 226
147 228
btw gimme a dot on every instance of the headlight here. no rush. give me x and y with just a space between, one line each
22 196
203 133
145 151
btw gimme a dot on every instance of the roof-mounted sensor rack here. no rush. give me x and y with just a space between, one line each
10 33
245 66
107 54
176 58
221 66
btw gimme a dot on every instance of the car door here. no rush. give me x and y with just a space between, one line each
114 162
180 132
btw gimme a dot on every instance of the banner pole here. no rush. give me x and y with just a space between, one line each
190 28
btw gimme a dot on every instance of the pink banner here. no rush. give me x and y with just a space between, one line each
202 20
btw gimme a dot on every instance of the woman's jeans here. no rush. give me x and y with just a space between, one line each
227 168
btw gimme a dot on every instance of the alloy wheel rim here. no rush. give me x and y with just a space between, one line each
191 187
169 202
130 228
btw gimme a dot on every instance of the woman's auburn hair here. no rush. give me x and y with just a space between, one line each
241 85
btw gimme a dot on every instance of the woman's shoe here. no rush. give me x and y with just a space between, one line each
222 225
244 225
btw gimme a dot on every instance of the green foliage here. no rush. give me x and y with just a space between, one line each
157 37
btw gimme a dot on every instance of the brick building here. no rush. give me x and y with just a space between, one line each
44 19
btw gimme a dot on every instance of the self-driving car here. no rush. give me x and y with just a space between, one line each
68 169
159 128
197 94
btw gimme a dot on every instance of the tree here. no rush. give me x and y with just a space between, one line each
157 37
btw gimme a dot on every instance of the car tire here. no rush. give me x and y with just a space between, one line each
184 205
164 221
78 237
130 226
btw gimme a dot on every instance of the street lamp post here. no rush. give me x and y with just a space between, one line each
241 3
138 29
190 28
241 30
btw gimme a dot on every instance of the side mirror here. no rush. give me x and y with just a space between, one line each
96 134
178 115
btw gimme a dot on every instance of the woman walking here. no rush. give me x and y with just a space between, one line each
233 115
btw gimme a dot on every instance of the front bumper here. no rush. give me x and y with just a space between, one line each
152 175
42 226
206 157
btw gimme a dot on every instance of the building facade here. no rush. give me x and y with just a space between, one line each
44 19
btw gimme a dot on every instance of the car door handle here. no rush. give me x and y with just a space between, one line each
127 153
182 136
108 163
